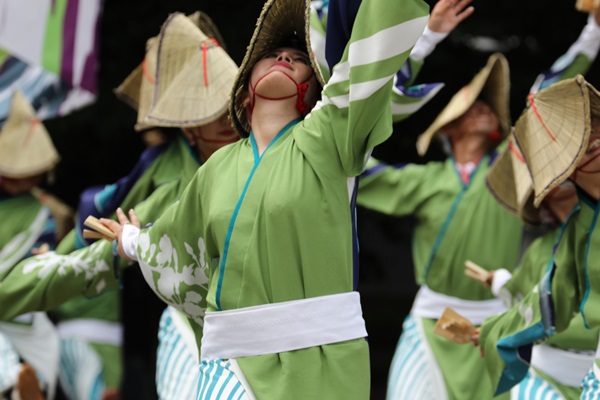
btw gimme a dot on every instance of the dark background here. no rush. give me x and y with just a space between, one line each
98 144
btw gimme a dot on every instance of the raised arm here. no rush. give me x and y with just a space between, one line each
577 59
354 113
394 190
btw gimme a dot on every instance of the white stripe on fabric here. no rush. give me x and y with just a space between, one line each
361 91
591 385
358 91
182 327
317 41
176 379
534 387
38 344
235 368
409 108
218 381
412 375
9 364
386 43
22 243
167 364
31 77
341 101
280 327
92 330
340 73
80 374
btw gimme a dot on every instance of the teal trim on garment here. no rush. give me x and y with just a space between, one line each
546 307
516 368
457 200
236 210
586 295
103 196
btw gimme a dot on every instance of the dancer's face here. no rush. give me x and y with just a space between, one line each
479 119
278 73
211 137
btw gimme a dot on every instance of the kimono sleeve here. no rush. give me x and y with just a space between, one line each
529 272
577 60
392 190
172 254
508 338
46 281
354 114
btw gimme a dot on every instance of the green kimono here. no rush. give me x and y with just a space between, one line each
576 337
164 170
26 224
280 226
455 222
47 281
24 220
571 283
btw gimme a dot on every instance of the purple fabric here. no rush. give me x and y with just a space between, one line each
102 201
88 79
68 40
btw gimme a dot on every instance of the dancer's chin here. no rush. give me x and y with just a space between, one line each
276 85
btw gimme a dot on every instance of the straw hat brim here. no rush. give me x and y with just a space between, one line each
194 76
510 183
137 90
492 84
26 148
554 131
278 22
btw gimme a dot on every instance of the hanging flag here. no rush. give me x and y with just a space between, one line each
49 51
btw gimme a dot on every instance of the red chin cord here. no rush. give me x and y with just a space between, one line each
301 90
494 136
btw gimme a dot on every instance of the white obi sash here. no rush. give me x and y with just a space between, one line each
430 304
282 327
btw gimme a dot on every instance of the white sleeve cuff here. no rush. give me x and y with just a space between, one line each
501 277
129 239
426 44
588 41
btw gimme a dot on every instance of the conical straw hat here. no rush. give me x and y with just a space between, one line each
137 90
208 27
194 76
553 132
279 21
147 84
491 84
510 183
26 148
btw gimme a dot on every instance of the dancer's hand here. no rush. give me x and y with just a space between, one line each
447 14
117 227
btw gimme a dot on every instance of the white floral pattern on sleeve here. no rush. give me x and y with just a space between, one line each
181 285
88 262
